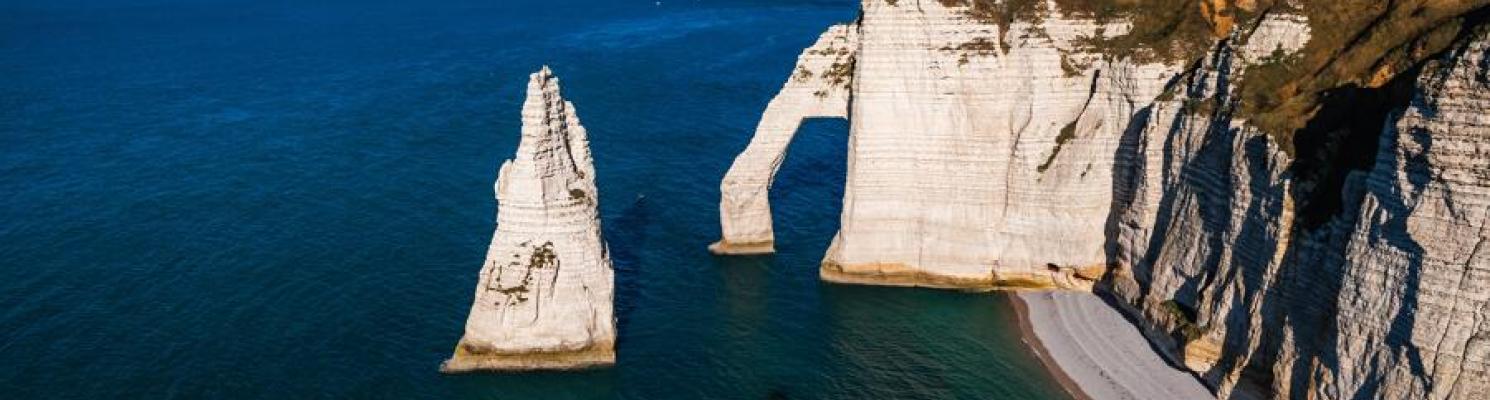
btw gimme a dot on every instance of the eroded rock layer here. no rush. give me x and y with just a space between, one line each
978 157
1227 198
1201 222
1383 300
1415 276
818 88
544 296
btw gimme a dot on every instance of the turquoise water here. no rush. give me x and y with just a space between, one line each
269 200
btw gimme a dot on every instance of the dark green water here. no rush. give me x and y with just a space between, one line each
270 200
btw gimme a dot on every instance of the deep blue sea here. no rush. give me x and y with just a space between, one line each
283 200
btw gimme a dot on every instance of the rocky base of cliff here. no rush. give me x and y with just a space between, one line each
727 248
598 355
889 274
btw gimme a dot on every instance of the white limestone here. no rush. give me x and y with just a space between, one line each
986 158
957 172
1277 35
818 88
1385 301
1201 224
1415 299
544 296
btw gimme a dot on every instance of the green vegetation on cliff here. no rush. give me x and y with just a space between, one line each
1353 43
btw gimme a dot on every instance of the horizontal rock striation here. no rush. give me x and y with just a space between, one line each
1381 301
997 144
959 173
544 296
818 88
978 157
1414 296
1201 220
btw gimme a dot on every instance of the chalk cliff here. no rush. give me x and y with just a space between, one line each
1379 296
1201 221
544 296
1415 287
978 157
1288 212
1020 124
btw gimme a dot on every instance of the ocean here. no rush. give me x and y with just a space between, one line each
291 199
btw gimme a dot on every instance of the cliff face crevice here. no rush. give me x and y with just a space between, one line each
1415 282
1280 311
1018 144
1196 235
1280 306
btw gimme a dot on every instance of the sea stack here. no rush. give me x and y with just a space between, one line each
544 296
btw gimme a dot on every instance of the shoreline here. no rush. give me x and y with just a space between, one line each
1095 352
1033 343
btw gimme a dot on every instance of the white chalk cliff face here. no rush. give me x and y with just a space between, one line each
986 158
1201 220
544 296
1385 300
1414 301
977 157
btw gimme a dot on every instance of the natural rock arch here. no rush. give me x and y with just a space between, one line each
818 88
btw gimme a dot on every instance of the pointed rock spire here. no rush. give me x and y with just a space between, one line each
544 297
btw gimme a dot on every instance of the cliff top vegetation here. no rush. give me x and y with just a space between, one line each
1353 43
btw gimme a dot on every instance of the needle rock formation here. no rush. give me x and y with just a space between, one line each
544 296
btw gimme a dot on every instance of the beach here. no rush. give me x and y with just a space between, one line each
1097 354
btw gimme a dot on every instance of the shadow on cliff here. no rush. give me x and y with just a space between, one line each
1338 150
1196 179
1355 129
1236 271
1393 232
